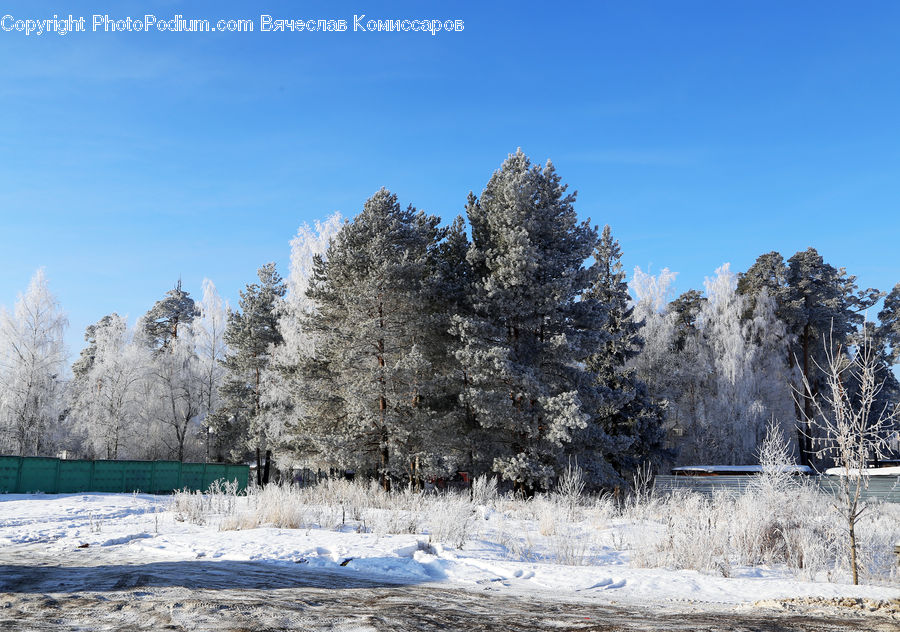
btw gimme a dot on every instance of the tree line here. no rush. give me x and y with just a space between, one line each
400 348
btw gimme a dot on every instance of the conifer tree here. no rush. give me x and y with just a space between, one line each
251 334
367 386
889 328
525 343
451 294
173 397
818 303
626 411
88 354
284 392
161 323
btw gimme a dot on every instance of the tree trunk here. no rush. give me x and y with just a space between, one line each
807 400
852 525
265 478
382 405
258 468
526 490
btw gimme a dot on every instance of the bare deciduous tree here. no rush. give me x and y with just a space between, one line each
853 428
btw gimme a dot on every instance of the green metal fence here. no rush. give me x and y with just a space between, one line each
22 475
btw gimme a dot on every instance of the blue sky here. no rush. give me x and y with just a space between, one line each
702 132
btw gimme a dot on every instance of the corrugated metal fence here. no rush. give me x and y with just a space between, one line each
886 488
22 475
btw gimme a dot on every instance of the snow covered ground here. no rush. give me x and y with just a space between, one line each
498 549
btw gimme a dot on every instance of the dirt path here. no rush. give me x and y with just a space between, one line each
91 590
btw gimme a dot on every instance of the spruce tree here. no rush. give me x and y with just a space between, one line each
626 413
525 343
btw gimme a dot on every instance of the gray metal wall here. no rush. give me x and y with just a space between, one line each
886 488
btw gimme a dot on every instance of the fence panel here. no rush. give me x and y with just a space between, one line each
138 476
214 471
9 474
109 476
239 473
38 474
74 476
192 475
166 477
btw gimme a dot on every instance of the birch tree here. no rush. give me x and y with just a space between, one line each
106 403
32 360
211 351
283 396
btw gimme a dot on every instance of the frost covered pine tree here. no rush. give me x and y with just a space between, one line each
888 332
365 387
450 292
251 334
525 343
627 421
173 398
160 324
813 299
32 360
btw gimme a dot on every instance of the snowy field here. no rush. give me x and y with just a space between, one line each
585 550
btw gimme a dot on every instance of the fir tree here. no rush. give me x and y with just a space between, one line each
626 411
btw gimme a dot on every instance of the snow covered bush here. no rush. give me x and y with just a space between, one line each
569 489
220 500
484 490
777 522
450 520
